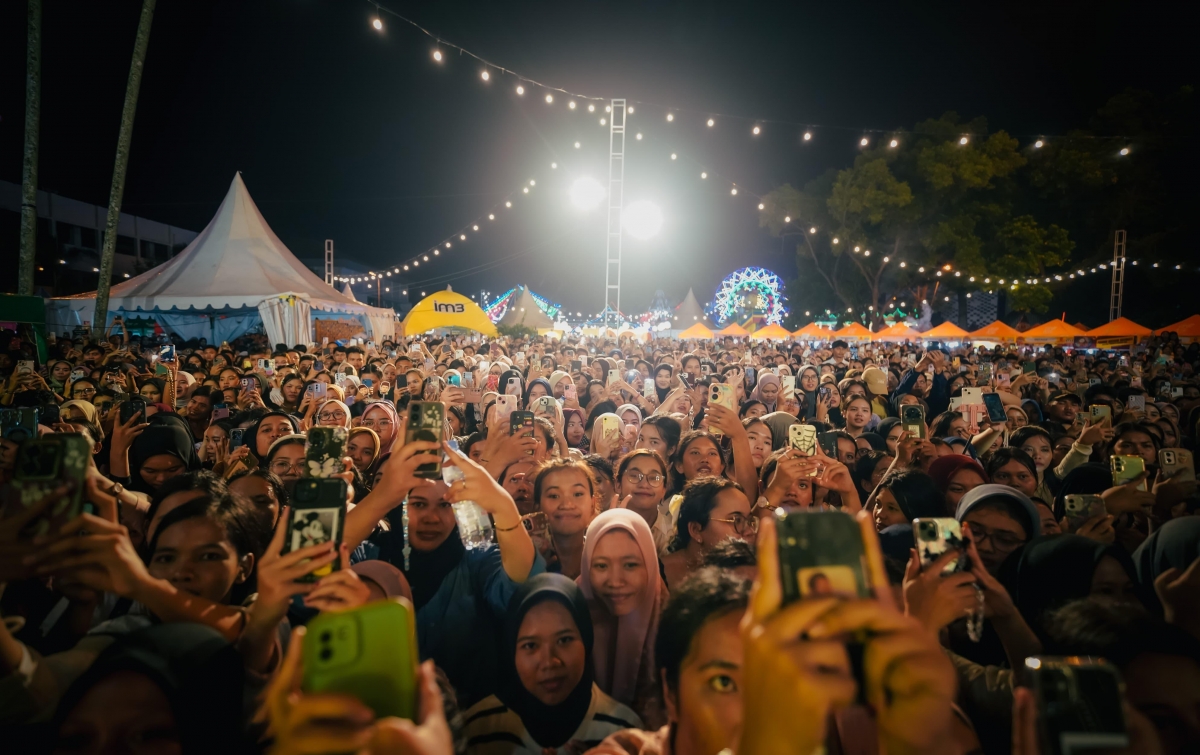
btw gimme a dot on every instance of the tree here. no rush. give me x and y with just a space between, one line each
937 209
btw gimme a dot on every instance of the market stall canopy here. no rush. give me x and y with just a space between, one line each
1122 326
689 311
774 331
524 311
349 292
1054 330
236 262
855 331
698 330
997 331
901 331
447 309
944 331
813 332
733 329
1187 328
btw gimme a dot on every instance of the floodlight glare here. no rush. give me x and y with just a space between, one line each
586 193
642 219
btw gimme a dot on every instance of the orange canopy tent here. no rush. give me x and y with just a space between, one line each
854 331
945 330
813 332
1054 330
1122 326
733 329
997 331
1189 328
773 331
697 331
898 332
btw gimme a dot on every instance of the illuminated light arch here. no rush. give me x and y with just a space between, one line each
752 292
496 309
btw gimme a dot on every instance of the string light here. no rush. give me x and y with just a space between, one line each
508 204
787 218
808 136
631 110
733 191
603 121
711 122
893 144
1124 151
1038 144
674 156
813 229
762 206
491 217
485 75
549 99
437 55
863 142
571 105
670 117
704 175
638 137
591 108
520 89
962 140
554 166
756 131
377 24
577 145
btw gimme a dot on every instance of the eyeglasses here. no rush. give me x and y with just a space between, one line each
1001 539
332 417
283 466
741 523
654 478
377 423
83 391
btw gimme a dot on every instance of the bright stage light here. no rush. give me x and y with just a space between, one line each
670 117
437 55
862 142
377 24
808 136
674 156
757 131
893 144
963 140
1039 144
586 193
711 123
576 145
733 191
642 219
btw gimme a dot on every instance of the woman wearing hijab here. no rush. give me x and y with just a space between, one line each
381 417
162 451
266 430
574 429
1175 545
664 374
1051 571
537 388
807 384
956 475
630 415
508 375
333 413
181 685
767 391
779 422
548 700
620 579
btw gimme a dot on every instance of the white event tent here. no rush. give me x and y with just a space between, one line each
235 275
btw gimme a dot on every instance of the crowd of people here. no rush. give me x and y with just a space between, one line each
632 594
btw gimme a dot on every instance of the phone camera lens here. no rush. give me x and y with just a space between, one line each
326 654
326 636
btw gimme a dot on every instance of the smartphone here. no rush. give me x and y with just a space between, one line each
803 438
42 465
1135 403
995 407
425 422
985 372
1080 507
19 424
318 365
471 395
956 362
317 514
571 393
138 406
235 437
821 553
368 653
521 423
249 384
1079 702
632 375
576 365
1029 367
787 386
267 366
612 378
648 388
912 418
751 374
1126 468
824 392
167 353
935 536
721 394
1100 413
323 451
317 390
544 405
610 427
49 414
505 406
518 357
513 386
247 364
219 411
1177 462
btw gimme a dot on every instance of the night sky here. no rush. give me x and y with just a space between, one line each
347 133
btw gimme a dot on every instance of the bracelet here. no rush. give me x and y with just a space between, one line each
519 523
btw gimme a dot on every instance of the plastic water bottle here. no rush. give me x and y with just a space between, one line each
474 524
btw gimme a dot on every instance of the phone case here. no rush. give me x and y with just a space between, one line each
1100 413
323 451
1177 462
1079 702
505 406
803 438
520 423
20 424
44 464
317 515
131 407
610 428
1126 468
425 422
934 537
912 418
544 405
821 554
720 394
369 653
1081 506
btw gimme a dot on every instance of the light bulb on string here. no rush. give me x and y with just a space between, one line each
670 117
485 75
808 136
491 217
863 142
1039 144
733 191
577 145
474 228
571 105
787 219
603 121
520 89
462 237
638 137
378 24
554 166
894 143
447 244
756 130
526 189
608 108
762 206
711 122
812 229
508 204
436 252
674 156
631 109
437 55
836 240
591 108
704 174
549 99
1124 151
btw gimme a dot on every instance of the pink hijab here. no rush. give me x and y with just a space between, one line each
387 408
631 670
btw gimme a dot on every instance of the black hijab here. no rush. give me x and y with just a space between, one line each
551 726
252 431
810 397
426 570
662 393
167 434
1174 545
1052 570
199 672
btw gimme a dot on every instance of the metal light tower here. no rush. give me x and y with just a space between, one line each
616 200
329 261
1118 276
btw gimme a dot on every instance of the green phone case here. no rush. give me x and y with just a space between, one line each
42 465
369 652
